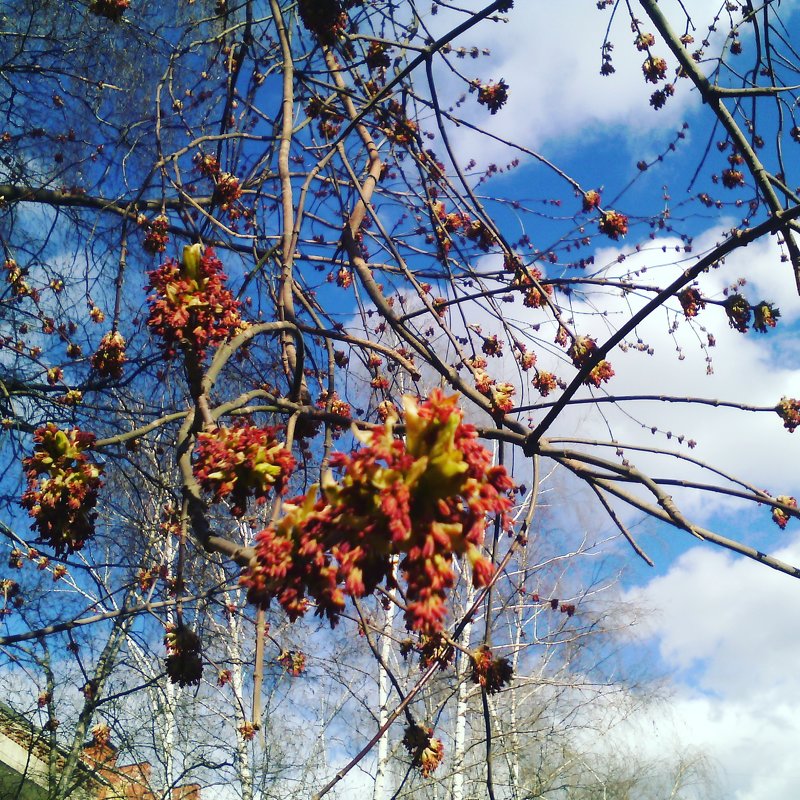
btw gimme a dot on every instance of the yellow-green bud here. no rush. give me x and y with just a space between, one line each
191 260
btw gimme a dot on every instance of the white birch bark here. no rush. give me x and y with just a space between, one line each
460 737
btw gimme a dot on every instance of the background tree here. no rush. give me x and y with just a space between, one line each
232 233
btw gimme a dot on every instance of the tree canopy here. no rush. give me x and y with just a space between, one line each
291 327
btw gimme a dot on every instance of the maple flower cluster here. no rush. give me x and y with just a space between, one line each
544 383
399 128
62 487
591 199
581 353
206 164
426 751
10 592
226 191
241 462
191 302
425 498
109 357
765 315
491 673
110 9
333 403
156 237
326 19
732 178
377 57
526 278
738 310
293 661
691 302
789 411
613 224
779 516
493 95
16 279
654 69
184 663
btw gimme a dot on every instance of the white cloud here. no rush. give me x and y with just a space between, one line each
550 55
728 630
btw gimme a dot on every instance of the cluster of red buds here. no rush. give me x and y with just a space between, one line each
426 498
206 164
109 357
659 97
732 178
765 315
601 373
293 661
62 487
527 279
431 649
156 237
16 279
581 352
386 409
335 405
452 221
490 672
591 200
691 301
146 577
329 120
399 128
503 396
738 310
377 58
789 411
544 383
654 69
184 663
11 593
248 731
96 314
242 462
110 9
227 190
492 346
191 302
607 68
613 224
492 95
224 677
477 232
326 19
344 278
779 516
426 751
